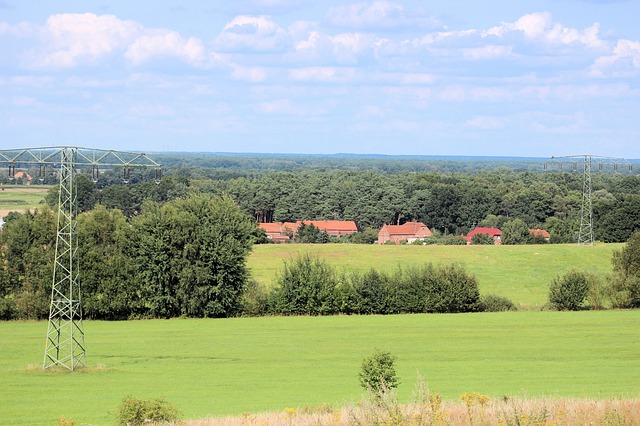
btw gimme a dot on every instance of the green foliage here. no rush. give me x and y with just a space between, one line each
310 234
482 239
190 255
378 372
569 291
494 303
624 284
137 412
515 231
371 292
305 287
452 289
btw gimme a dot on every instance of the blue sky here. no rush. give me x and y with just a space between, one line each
506 78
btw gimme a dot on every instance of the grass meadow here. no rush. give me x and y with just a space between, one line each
521 273
21 197
214 367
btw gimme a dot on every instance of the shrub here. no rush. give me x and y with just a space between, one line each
482 239
378 373
255 299
453 240
451 289
493 303
305 287
371 292
134 412
568 292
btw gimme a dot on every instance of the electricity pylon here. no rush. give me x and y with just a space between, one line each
65 332
585 234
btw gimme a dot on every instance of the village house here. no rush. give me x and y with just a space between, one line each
408 232
282 232
495 233
540 233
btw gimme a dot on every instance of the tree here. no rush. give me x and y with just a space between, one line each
378 372
625 281
569 291
515 231
482 239
190 255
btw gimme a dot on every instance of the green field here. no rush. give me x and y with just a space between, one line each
521 273
231 366
21 197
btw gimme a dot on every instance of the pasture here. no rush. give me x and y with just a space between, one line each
521 273
230 366
21 197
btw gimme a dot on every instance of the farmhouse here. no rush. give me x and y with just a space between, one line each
539 233
408 232
334 228
492 232
275 232
282 232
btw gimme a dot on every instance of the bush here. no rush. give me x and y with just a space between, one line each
482 239
493 303
451 289
378 373
568 292
255 299
371 292
305 287
453 240
136 412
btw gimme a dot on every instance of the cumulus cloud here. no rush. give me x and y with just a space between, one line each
623 60
75 39
161 43
252 34
70 40
379 15
540 27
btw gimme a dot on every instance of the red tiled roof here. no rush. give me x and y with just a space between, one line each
409 228
331 225
489 231
539 233
270 227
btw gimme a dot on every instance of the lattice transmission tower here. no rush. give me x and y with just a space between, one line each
571 162
65 345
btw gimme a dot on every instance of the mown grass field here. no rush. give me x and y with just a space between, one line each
21 197
521 273
231 366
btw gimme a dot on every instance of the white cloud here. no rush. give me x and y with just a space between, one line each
624 60
379 15
488 52
76 39
540 27
161 43
252 34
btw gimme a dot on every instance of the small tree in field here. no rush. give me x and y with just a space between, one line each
568 292
378 372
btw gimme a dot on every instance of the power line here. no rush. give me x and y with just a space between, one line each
65 345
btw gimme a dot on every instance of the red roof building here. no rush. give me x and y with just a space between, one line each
492 232
334 228
281 232
275 232
408 232
540 233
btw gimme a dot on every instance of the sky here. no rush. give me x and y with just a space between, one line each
536 78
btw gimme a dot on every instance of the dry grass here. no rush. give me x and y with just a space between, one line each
474 410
